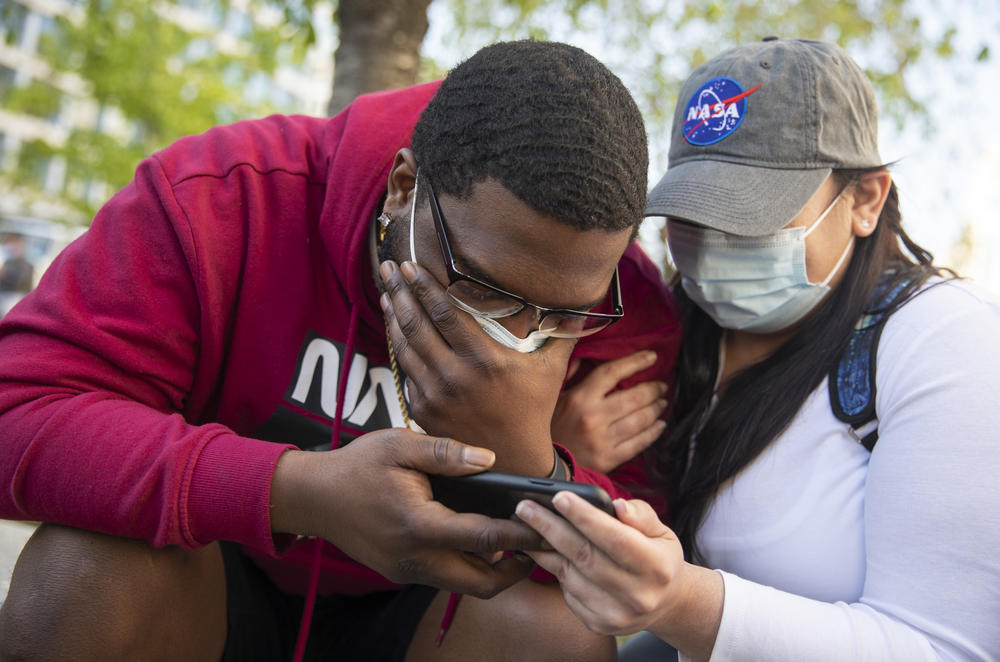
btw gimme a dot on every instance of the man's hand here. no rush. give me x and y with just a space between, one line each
372 499
603 427
463 384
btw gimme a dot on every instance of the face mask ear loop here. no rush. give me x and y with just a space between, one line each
823 215
413 208
847 249
843 256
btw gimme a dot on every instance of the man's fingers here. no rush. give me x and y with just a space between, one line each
438 455
432 297
469 574
419 313
504 574
407 355
453 327
556 352
472 532
410 331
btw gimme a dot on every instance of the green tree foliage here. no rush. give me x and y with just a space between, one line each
36 98
653 45
153 72
167 77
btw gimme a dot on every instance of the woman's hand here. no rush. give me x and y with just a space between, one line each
626 575
604 428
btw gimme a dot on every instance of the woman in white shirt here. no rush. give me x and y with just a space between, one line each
790 540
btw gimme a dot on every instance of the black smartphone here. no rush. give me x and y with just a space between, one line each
496 494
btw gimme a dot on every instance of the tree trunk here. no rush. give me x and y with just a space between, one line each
379 47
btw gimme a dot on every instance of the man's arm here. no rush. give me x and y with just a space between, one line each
96 367
372 499
98 383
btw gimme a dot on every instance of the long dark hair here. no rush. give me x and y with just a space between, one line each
759 402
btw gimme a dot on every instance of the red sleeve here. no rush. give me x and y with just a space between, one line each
95 368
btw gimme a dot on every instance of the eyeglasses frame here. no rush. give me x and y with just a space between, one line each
455 275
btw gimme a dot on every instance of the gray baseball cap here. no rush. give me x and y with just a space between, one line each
759 128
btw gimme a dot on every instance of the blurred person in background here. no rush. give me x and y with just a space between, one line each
17 274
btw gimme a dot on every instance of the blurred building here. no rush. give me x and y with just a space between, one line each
39 106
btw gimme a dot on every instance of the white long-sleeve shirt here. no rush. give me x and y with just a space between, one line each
831 553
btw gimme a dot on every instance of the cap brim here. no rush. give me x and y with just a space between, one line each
735 198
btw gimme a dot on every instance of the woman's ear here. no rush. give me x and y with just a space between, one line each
402 179
870 193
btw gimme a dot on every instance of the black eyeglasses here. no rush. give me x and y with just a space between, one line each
478 298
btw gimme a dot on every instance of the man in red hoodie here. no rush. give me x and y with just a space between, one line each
192 369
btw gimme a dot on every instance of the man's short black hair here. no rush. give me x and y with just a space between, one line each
546 120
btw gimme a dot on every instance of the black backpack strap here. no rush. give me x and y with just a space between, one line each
852 380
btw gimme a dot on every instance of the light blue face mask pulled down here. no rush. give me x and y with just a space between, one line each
756 284
493 328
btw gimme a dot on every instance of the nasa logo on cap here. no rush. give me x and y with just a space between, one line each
714 111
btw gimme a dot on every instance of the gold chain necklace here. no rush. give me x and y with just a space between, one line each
395 376
381 226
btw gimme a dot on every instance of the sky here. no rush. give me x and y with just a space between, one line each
947 169
949 178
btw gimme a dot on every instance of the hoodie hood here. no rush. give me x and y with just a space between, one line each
360 144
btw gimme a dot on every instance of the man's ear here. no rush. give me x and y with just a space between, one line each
402 179
870 193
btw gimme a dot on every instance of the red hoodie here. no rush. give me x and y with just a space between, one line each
197 330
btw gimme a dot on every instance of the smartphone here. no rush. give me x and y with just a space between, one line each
496 494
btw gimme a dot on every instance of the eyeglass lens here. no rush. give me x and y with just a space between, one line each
478 300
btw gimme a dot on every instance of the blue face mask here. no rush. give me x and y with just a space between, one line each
756 284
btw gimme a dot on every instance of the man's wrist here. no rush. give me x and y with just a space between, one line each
287 496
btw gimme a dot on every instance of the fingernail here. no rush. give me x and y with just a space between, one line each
477 457
561 502
409 271
661 403
650 358
661 388
386 269
660 426
525 509
384 301
621 507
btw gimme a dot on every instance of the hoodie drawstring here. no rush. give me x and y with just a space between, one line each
449 613
310 603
